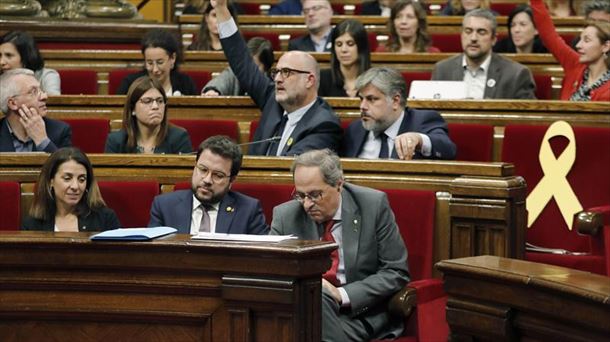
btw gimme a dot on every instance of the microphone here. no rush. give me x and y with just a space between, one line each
276 138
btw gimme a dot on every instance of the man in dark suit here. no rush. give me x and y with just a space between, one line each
25 127
318 14
487 75
370 264
210 205
294 119
388 129
377 7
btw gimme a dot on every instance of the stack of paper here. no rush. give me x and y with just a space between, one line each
243 237
133 234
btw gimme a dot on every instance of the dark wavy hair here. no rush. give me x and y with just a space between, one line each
202 41
357 31
27 48
166 40
423 40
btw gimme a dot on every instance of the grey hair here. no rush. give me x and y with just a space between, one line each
485 14
388 80
595 5
8 88
326 160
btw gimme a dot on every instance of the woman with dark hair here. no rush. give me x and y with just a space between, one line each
208 39
461 7
350 57
162 53
522 33
67 198
586 71
408 26
226 83
145 125
19 50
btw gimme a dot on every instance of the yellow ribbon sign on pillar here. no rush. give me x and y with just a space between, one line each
554 183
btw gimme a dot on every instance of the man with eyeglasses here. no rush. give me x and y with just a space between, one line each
370 264
318 14
25 127
487 75
293 118
210 205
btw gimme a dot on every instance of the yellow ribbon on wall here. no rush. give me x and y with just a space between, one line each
554 183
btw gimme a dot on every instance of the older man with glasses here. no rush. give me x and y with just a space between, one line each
370 264
294 119
25 127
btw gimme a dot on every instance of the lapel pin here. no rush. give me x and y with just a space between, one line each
289 142
230 209
491 82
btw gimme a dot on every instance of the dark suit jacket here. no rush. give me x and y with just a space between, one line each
96 220
512 80
328 87
370 8
304 43
319 128
237 213
181 82
177 141
428 122
506 45
58 132
375 256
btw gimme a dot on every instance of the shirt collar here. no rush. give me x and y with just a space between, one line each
337 216
196 204
484 66
296 116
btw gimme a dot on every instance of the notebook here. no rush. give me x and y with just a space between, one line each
437 90
133 234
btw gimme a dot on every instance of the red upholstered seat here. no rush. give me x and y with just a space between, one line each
474 142
411 76
10 206
447 42
373 43
130 200
89 134
503 8
199 130
588 179
78 81
544 87
115 77
250 8
201 78
270 195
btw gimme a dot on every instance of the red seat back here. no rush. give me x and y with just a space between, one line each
89 134
250 8
503 8
130 200
200 78
373 43
270 195
115 77
447 42
10 206
199 130
411 76
544 87
78 81
253 127
474 142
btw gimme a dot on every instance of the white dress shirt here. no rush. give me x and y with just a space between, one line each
293 120
197 213
475 79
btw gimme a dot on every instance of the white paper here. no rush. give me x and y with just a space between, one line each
242 237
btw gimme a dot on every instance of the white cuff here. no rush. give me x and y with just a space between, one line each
227 28
426 145
345 303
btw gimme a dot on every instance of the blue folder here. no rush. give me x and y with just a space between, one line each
133 234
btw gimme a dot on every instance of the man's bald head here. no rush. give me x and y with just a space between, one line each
296 83
302 61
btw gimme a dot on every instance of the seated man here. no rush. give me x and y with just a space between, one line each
388 129
370 264
487 75
210 206
25 127
318 14
294 119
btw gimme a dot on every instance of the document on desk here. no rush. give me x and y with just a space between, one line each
133 234
242 237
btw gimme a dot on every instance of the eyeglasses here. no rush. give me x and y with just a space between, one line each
34 92
313 196
313 9
148 101
286 72
217 176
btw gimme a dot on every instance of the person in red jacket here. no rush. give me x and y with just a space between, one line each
587 70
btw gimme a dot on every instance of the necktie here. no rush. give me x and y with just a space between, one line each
205 220
383 152
278 133
331 274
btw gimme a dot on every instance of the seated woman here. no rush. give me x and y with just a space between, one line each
350 57
460 7
561 8
408 28
586 71
18 50
145 125
162 55
522 33
208 39
226 83
67 198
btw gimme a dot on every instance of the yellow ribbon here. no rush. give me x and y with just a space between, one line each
554 183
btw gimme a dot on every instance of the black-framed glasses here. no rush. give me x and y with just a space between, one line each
313 196
149 101
217 176
285 72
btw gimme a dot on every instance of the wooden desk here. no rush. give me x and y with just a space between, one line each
62 286
498 299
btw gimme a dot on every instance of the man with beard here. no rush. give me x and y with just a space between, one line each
294 119
388 129
487 75
318 14
25 127
210 205
370 264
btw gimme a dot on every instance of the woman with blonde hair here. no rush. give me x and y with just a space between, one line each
67 198
408 26
461 7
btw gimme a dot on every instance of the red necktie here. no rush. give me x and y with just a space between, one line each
331 274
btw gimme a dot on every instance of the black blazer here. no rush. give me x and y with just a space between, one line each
506 45
58 132
180 82
177 141
304 43
371 8
100 219
328 87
